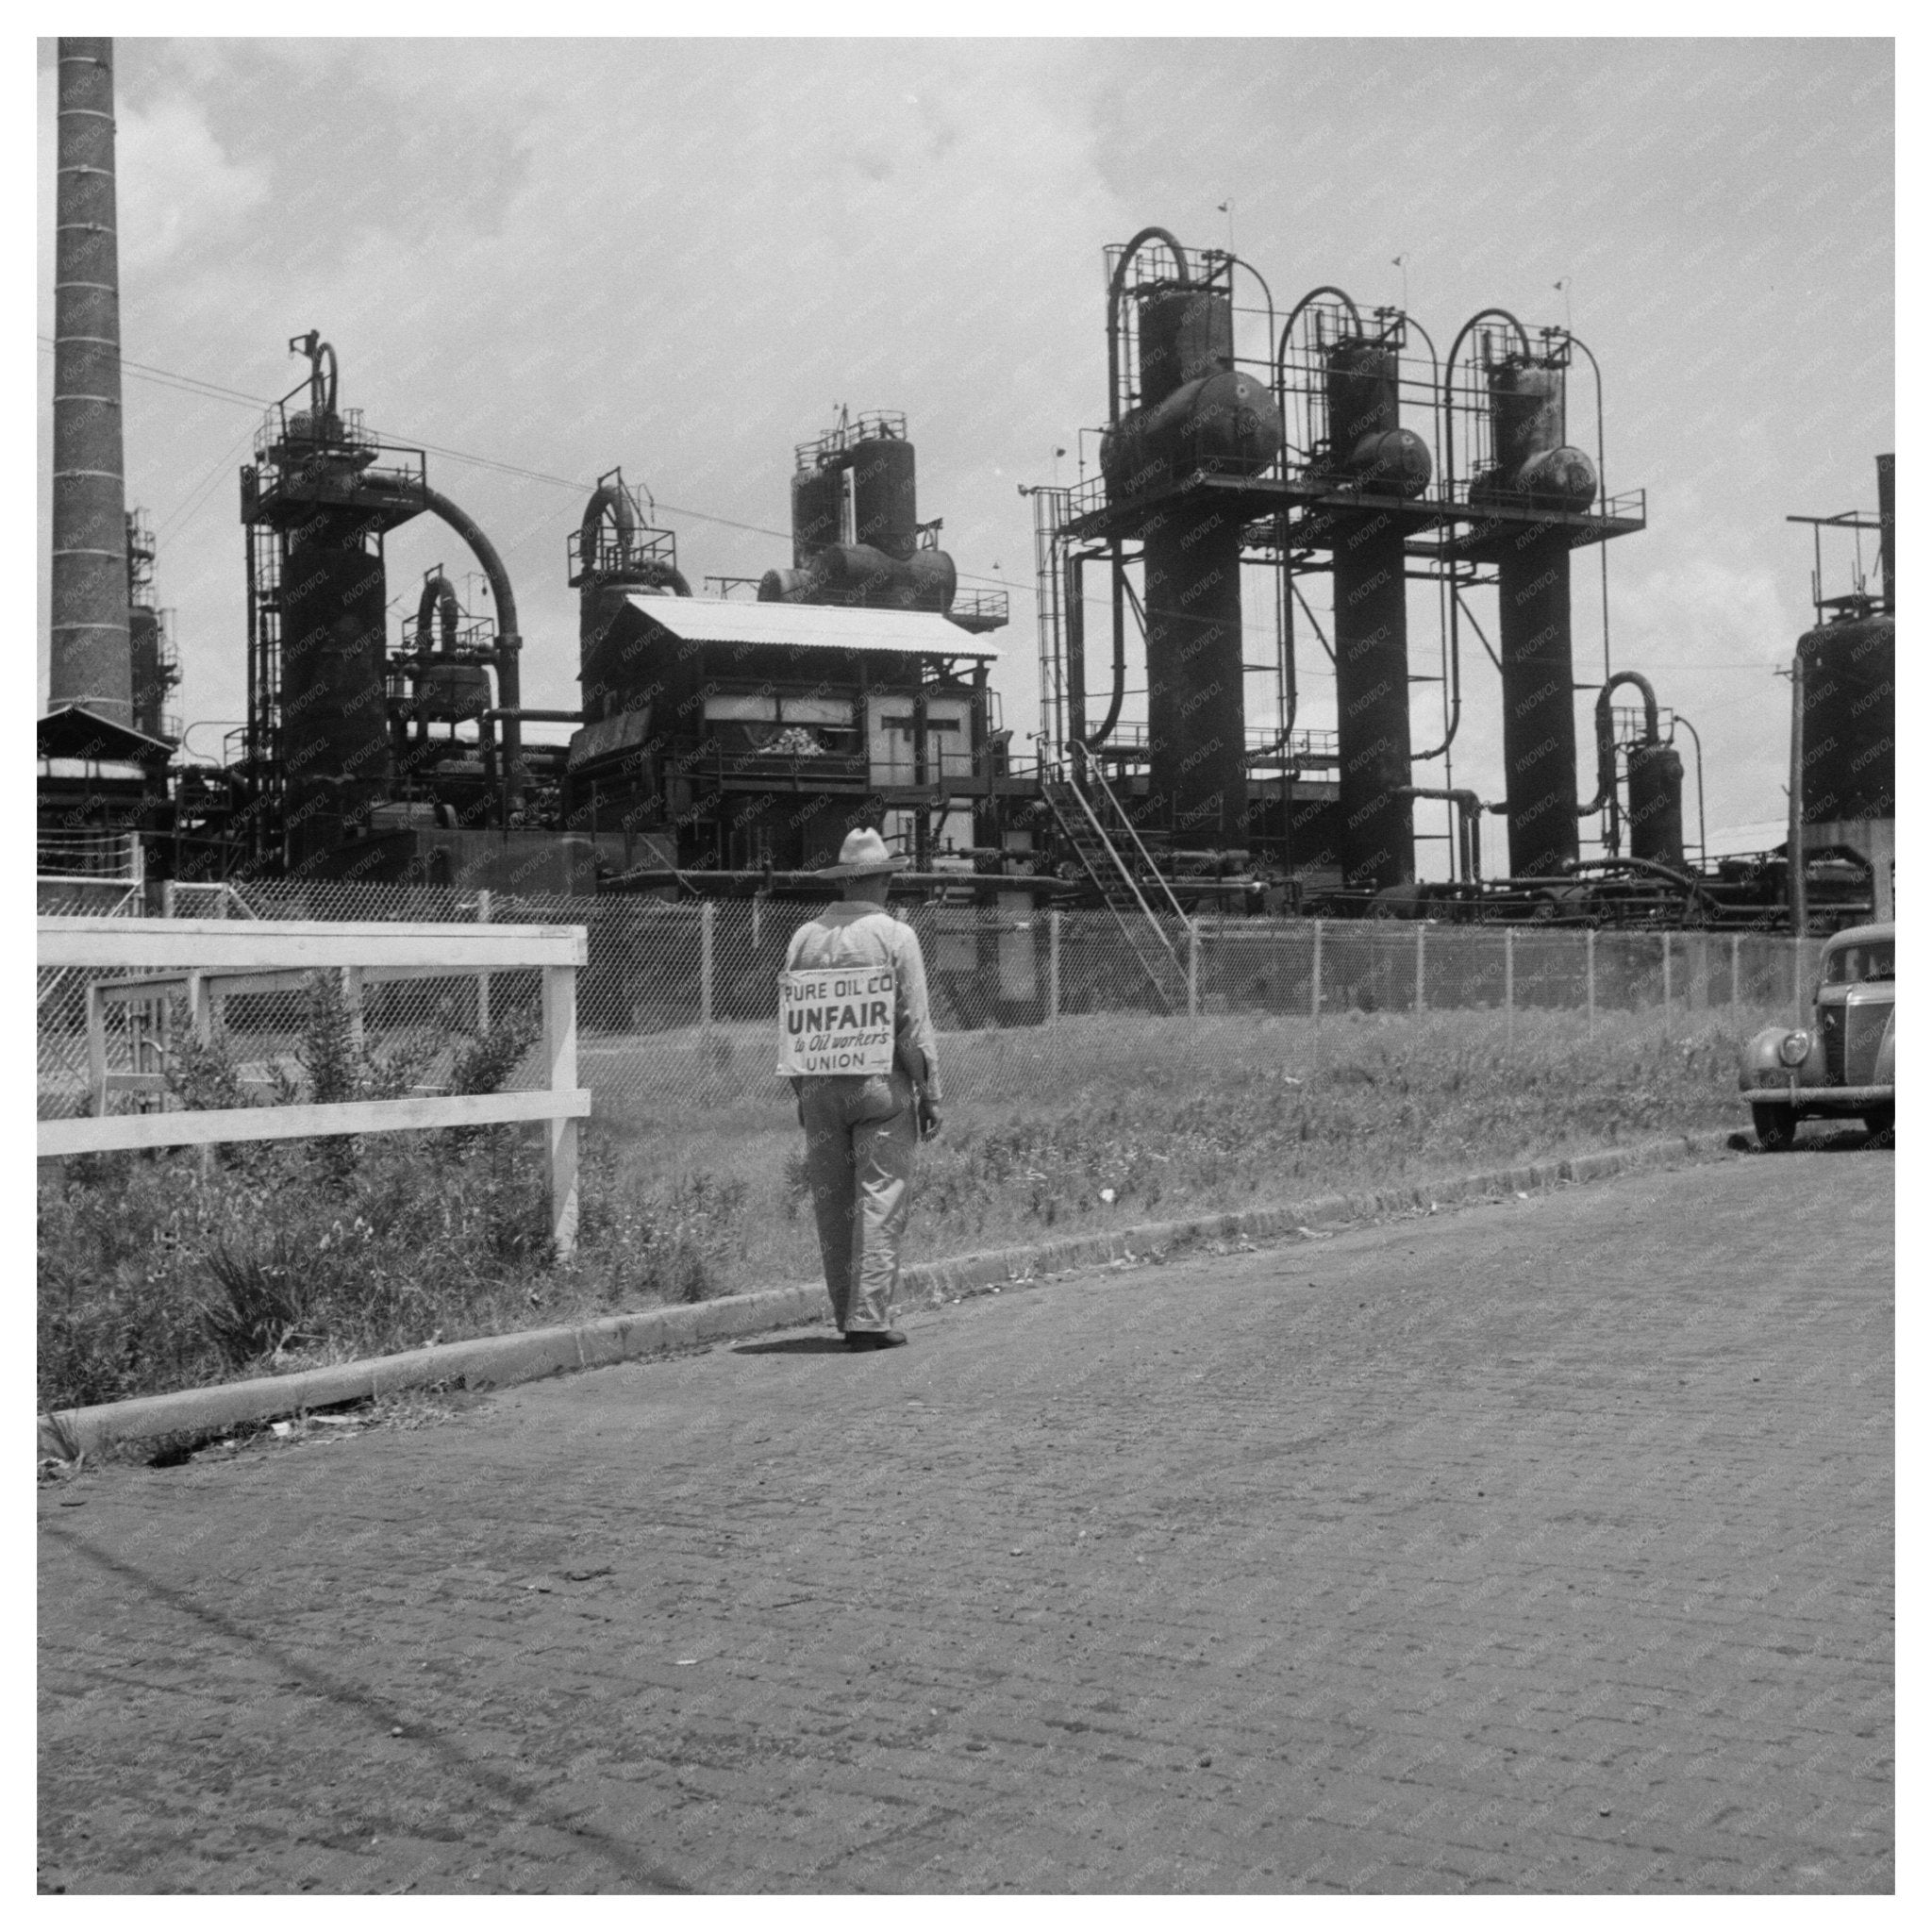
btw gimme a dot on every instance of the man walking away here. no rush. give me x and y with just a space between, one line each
861 1129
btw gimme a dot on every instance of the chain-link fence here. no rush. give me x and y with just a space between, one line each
676 1008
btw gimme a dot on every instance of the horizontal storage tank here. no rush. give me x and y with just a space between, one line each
1197 411
856 573
1227 421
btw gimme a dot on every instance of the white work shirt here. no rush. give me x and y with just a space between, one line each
855 932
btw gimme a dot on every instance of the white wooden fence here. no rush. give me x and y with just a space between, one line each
208 960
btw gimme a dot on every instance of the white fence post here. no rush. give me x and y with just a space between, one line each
198 1025
1508 986
1666 937
560 1133
1052 967
1315 987
96 1049
1421 932
483 978
1193 968
352 998
1589 982
707 941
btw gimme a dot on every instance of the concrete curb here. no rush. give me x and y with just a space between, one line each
498 1360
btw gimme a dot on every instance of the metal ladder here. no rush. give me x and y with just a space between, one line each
1085 814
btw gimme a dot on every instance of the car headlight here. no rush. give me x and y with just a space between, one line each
1794 1047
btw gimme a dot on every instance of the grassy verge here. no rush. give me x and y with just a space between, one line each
155 1272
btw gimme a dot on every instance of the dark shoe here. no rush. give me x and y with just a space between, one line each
873 1338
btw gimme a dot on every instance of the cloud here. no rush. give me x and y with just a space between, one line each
180 192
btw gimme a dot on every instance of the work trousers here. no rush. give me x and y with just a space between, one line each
861 1132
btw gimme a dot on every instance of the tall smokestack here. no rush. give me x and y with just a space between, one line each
89 656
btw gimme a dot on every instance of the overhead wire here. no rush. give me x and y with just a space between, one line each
215 391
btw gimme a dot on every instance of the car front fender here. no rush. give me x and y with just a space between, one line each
1758 1065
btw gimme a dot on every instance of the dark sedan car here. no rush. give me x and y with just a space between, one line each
1843 1064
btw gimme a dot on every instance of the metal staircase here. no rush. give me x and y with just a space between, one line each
1094 823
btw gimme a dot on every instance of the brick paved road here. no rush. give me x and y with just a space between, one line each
1537 1546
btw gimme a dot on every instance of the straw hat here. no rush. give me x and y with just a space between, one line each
862 854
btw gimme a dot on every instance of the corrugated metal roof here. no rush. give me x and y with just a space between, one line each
73 731
814 627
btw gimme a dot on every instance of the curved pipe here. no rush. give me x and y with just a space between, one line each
1455 671
1605 735
1449 378
1279 379
1284 631
1693 887
321 398
1295 315
1115 289
1484 315
1094 740
1435 379
437 594
1234 261
1603 490
1470 808
614 500
1439 414
1703 844
509 644
607 497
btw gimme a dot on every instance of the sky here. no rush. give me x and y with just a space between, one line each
679 255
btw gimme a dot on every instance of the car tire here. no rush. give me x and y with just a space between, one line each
1878 1122
1777 1126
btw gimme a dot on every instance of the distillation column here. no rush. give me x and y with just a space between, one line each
1196 412
1196 734
1536 467
1367 447
1538 710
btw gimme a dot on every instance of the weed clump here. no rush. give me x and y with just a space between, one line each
160 1270
677 1245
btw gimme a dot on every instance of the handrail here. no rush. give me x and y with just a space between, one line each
1165 994
1132 884
1146 856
